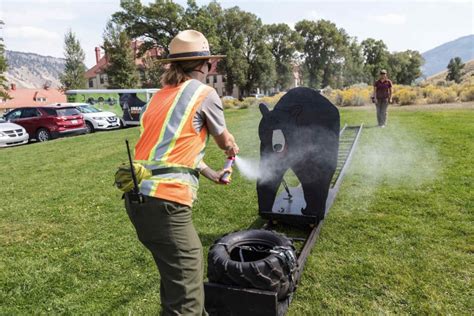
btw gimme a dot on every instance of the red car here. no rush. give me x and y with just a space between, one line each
48 122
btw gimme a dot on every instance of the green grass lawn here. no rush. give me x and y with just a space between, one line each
399 238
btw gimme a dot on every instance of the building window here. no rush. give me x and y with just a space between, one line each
102 80
40 99
91 83
223 78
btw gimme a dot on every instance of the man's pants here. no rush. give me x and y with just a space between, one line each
166 229
382 106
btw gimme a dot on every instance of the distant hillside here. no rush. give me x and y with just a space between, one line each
437 59
468 73
28 70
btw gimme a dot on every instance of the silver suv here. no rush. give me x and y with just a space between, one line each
96 119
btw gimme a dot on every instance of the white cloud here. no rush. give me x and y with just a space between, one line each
30 33
18 15
390 18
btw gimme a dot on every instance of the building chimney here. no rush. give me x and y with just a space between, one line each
97 55
13 86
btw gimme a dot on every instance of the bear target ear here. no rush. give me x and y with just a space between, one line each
263 109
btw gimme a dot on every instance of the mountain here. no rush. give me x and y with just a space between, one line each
29 70
437 59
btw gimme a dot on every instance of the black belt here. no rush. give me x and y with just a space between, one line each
190 171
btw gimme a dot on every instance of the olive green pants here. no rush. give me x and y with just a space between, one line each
167 230
382 106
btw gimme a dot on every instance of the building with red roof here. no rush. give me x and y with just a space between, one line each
96 77
21 97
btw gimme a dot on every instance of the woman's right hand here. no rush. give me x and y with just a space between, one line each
232 151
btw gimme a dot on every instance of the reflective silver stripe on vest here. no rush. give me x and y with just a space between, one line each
175 119
148 186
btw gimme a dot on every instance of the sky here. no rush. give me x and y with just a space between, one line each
38 26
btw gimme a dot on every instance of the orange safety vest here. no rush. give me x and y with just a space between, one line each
168 139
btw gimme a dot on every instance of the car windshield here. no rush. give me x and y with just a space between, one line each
67 112
88 109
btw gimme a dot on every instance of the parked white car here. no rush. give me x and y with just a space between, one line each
95 118
12 134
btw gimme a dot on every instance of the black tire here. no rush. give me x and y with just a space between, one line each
90 128
43 135
230 264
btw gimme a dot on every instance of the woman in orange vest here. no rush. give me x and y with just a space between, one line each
174 128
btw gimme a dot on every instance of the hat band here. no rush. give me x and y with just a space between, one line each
190 54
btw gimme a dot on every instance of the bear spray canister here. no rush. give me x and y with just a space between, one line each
226 176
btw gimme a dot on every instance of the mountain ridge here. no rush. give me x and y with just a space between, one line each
437 58
31 70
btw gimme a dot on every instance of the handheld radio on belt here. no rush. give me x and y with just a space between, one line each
134 196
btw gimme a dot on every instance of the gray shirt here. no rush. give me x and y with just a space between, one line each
211 115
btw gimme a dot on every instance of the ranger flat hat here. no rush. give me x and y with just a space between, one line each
383 71
189 45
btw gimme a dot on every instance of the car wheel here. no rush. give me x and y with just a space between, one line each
89 127
43 135
255 258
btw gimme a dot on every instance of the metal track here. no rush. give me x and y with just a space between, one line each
348 139
227 300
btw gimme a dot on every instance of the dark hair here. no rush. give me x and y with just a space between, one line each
179 71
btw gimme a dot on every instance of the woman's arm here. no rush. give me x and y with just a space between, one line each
226 142
211 174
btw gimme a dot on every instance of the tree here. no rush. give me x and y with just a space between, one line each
121 69
376 56
152 72
283 43
160 21
353 69
323 52
455 67
156 23
3 69
74 68
405 67
249 63
205 19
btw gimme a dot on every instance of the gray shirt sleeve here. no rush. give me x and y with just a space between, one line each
211 115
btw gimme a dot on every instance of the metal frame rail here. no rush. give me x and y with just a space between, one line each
229 300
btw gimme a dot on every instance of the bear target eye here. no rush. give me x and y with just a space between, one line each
278 140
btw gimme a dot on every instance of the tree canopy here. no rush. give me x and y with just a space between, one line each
266 56
74 68
121 69
3 68
455 67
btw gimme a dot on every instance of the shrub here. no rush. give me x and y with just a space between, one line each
442 96
229 103
353 96
247 102
467 93
405 96
428 90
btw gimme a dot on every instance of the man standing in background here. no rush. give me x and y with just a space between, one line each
383 96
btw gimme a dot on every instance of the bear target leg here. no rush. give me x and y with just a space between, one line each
267 188
315 189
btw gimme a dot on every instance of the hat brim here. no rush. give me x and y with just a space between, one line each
169 60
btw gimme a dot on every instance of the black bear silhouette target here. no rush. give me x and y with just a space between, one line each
301 133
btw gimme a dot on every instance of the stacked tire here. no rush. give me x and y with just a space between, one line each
257 258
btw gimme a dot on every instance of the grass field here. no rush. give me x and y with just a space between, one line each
398 240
